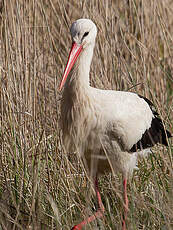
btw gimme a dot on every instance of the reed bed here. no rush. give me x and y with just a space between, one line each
41 185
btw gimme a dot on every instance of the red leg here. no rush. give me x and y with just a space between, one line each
126 204
97 214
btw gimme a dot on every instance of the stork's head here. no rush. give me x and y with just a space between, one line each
83 32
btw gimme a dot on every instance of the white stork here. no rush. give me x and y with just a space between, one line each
108 128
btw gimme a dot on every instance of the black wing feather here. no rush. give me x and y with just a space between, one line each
155 134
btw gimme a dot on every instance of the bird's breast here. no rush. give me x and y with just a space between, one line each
81 123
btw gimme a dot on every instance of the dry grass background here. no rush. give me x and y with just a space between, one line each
42 186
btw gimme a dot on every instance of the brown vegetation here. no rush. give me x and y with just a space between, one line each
41 186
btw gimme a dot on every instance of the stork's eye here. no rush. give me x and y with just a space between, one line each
85 34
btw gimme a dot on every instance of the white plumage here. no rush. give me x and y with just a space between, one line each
104 126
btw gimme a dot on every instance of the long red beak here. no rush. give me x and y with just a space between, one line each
74 53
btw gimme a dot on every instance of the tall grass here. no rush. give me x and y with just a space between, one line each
41 185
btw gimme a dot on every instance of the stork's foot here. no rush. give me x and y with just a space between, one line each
123 225
90 219
96 215
76 228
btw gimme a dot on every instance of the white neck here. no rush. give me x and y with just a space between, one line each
80 75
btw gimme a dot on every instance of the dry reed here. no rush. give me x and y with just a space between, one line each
42 186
